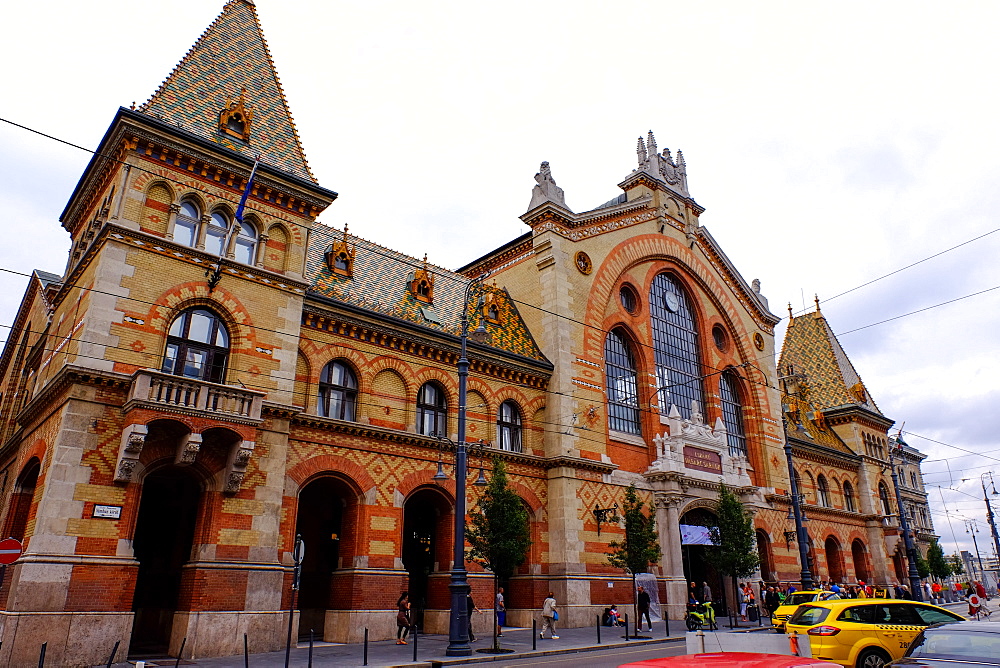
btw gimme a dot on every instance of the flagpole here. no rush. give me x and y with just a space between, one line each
214 276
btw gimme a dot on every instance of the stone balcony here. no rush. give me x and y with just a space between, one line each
155 390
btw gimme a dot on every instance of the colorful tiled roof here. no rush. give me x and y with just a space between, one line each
811 348
229 56
380 283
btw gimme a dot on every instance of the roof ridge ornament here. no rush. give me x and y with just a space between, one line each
662 166
546 189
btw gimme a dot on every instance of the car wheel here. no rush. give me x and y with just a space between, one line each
873 658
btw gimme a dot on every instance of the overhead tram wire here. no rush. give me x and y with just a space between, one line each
414 263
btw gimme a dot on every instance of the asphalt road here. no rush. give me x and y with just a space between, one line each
606 658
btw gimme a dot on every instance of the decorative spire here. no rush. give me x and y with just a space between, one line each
662 166
651 143
790 316
816 299
229 56
641 150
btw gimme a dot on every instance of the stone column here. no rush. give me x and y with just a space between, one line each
667 520
260 249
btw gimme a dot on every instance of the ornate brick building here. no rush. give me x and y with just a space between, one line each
193 392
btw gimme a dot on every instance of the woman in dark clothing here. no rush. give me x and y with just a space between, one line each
402 618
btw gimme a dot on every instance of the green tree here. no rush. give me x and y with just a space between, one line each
498 532
923 568
955 562
939 568
640 546
735 543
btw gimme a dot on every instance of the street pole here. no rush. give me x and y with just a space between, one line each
970 527
802 535
904 524
989 511
458 629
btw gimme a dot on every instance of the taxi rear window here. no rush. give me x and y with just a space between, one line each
807 615
861 614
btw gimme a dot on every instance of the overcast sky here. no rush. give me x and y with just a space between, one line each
830 143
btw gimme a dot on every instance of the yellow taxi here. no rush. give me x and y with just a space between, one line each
793 601
864 632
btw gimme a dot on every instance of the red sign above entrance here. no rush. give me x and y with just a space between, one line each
10 550
700 459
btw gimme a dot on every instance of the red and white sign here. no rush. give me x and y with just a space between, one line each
10 550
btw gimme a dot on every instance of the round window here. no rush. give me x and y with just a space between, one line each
629 299
720 337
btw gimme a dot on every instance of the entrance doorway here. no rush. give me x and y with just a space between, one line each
860 557
834 562
425 539
164 535
322 505
696 566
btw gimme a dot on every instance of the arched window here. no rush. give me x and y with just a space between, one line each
197 346
732 414
246 243
509 427
849 497
810 483
186 224
675 344
883 495
216 233
432 411
623 398
823 490
338 391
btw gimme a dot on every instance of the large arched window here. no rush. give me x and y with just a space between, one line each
215 235
623 398
338 391
823 491
675 344
509 427
883 495
849 497
246 243
186 224
432 411
732 414
197 346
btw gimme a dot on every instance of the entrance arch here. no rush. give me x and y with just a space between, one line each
696 566
21 499
162 544
860 556
834 560
327 522
767 572
427 518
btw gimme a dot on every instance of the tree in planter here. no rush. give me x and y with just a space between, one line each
735 543
640 546
499 532
955 562
936 562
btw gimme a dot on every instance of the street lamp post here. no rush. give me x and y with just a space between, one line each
989 511
800 530
970 527
458 628
904 524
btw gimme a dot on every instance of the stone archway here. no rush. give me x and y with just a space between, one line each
834 560
696 566
427 519
859 554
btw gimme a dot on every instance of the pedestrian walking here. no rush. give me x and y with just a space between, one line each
706 593
642 603
471 605
549 617
402 618
500 610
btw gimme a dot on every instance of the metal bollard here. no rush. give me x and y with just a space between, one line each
41 655
626 627
413 630
666 623
312 632
246 652
366 648
180 652
534 634
598 629
111 659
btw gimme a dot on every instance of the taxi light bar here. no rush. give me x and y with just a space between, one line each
823 631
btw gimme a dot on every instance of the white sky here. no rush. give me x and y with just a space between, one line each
829 142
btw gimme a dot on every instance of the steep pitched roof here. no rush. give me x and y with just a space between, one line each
379 283
811 348
232 55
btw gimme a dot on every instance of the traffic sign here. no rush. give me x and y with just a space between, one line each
10 550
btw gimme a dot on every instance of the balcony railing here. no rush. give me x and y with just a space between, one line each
155 389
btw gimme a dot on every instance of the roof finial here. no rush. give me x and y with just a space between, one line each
345 233
651 143
789 310
817 303
425 261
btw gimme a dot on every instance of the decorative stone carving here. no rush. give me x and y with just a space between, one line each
546 189
236 469
133 438
187 450
235 119
662 165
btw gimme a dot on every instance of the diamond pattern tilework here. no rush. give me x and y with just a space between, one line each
230 55
380 281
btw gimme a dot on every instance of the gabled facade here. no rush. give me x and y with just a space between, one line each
842 458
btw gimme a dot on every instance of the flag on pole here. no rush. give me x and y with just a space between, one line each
246 191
